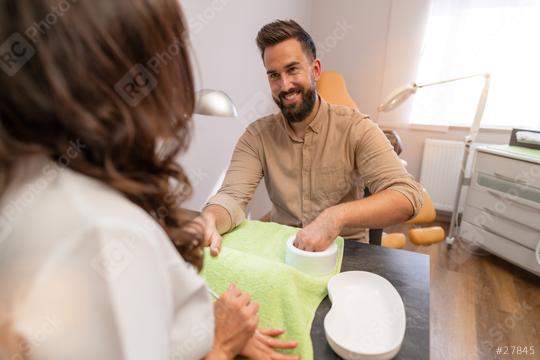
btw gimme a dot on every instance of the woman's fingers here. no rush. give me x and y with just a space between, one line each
278 356
267 335
280 344
272 332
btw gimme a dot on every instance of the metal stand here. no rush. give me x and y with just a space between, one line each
450 237
469 139
401 94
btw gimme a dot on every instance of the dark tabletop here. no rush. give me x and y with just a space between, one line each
409 273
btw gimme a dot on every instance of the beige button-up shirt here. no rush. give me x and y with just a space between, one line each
342 152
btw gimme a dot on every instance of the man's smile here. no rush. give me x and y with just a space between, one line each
291 97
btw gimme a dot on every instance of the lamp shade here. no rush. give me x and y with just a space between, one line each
397 97
214 103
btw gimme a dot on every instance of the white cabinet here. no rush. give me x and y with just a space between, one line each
502 210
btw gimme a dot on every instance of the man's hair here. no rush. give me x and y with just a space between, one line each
281 30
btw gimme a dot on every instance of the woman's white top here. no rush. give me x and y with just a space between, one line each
87 274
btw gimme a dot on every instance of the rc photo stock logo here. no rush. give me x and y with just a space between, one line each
15 52
141 80
5 228
112 260
136 85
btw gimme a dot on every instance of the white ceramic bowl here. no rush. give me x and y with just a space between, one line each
313 263
367 318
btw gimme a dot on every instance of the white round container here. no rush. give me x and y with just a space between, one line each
313 263
367 320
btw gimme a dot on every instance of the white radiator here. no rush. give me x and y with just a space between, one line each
439 174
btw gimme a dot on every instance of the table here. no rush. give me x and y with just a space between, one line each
409 274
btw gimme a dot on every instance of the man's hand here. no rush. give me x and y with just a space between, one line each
262 344
320 234
211 235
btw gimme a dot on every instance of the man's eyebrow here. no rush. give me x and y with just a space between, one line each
286 66
292 64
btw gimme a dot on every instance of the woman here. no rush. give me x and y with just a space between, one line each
95 108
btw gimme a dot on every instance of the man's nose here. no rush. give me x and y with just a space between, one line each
286 83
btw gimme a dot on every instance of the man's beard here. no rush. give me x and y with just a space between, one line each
300 111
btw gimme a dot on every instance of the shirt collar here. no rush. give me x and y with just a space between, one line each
320 118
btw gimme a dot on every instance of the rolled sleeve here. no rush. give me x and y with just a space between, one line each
242 178
380 167
227 202
412 190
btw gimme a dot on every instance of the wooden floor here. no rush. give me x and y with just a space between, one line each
479 302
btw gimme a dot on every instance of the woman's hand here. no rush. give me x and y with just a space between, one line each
236 319
12 345
262 344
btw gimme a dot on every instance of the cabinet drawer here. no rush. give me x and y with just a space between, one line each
526 194
512 170
505 206
493 223
509 250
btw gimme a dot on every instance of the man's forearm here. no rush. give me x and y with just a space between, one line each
379 210
221 217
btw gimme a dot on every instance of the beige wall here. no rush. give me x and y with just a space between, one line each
373 43
360 52
378 54
223 39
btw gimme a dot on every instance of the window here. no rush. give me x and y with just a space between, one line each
501 37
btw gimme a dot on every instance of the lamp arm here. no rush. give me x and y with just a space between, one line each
480 109
452 80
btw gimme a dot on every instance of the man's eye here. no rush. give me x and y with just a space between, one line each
274 76
293 70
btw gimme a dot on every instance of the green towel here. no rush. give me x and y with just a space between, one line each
253 257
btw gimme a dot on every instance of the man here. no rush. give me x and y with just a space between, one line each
316 158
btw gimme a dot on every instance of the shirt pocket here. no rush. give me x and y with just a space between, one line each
330 184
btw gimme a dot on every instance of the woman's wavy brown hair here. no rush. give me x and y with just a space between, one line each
91 58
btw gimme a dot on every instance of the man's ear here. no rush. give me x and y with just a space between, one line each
316 69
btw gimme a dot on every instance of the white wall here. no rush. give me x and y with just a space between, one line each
373 43
223 35
378 54
403 45
359 53
413 141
